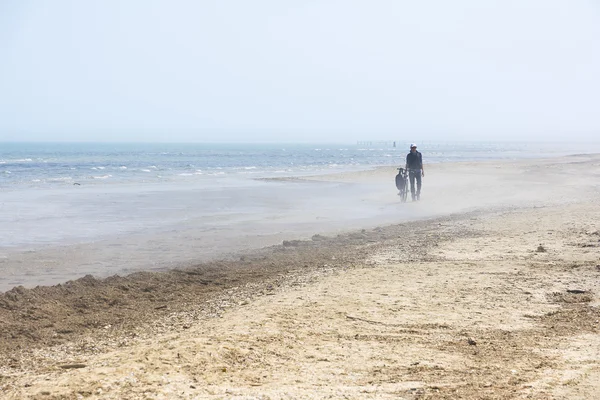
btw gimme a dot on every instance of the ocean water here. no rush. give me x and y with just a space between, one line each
52 165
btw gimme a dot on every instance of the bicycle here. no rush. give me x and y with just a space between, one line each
402 184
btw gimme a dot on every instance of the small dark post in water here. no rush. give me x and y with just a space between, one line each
394 144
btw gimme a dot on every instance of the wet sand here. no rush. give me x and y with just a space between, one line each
491 294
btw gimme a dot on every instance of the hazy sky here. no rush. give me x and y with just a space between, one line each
330 70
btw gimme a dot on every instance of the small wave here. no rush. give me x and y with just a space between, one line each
249 168
153 167
145 170
61 179
185 174
36 180
102 177
20 160
122 167
7 172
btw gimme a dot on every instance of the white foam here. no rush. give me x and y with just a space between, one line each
145 170
102 177
122 167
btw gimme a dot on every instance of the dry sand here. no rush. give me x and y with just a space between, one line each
500 302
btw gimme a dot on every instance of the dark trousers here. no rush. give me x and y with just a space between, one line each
412 175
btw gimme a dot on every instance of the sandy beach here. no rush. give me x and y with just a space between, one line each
488 288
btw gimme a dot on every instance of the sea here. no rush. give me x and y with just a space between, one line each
55 165
72 209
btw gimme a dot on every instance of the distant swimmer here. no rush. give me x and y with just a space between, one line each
414 165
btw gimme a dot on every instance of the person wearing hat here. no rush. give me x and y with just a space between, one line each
414 166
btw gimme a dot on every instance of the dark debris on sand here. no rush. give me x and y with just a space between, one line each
52 315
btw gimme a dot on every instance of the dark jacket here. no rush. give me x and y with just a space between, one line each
414 160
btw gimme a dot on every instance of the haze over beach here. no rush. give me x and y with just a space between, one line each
198 200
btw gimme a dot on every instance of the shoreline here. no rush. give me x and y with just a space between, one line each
374 204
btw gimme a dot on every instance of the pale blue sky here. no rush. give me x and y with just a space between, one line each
329 70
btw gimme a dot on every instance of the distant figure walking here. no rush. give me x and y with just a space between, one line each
414 165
